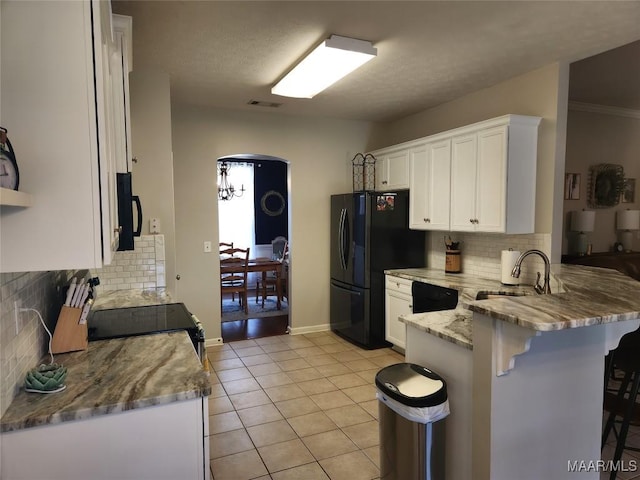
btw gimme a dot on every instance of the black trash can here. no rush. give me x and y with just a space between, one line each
412 405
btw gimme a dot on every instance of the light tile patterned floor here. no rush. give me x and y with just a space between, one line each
295 407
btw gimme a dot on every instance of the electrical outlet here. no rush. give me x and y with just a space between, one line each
207 247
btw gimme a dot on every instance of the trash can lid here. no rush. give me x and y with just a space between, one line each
412 385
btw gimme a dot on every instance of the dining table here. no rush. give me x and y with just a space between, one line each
260 264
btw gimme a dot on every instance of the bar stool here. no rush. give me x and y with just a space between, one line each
628 360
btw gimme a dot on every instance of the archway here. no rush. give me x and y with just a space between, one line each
252 211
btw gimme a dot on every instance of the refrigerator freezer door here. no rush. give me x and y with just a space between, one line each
350 312
350 218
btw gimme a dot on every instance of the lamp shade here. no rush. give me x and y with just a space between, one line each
583 220
628 220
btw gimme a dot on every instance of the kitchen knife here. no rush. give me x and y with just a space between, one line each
85 312
76 296
70 291
84 295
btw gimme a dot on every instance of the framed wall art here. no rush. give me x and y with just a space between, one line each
629 190
572 186
606 183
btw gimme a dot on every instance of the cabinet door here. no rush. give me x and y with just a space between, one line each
463 182
105 62
398 170
491 180
418 188
439 185
121 67
429 194
48 94
396 304
392 171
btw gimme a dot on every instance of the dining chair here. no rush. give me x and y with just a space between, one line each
225 246
234 267
268 284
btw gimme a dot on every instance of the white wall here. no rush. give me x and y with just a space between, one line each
594 138
153 173
317 150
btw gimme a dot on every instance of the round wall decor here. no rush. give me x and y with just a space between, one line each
272 203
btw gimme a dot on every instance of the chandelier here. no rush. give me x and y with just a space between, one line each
226 191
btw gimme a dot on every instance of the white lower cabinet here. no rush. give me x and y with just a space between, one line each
154 443
398 301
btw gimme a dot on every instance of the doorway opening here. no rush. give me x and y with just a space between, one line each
253 211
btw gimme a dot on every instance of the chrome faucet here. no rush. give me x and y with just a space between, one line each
546 288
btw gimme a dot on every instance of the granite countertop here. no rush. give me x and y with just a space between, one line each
130 298
581 296
113 376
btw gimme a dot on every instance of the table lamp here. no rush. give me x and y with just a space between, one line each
582 221
626 221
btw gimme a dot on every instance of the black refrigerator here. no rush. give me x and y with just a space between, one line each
369 234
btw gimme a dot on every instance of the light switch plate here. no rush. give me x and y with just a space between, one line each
207 247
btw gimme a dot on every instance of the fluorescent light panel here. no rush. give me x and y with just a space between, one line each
333 59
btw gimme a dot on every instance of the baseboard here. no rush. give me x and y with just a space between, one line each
311 329
212 342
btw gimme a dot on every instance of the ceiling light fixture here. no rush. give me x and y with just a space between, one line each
333 59
226 191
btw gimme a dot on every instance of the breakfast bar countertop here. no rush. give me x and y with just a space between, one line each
115 376
581 296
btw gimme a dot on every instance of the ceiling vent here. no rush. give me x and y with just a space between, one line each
259 103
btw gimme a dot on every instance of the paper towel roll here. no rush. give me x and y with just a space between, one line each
508 260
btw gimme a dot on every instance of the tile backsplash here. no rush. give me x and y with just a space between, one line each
23 345
143 267
481 252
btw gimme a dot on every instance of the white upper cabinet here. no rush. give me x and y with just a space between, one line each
429 192
493 176
392 170
57 104
122 65
478 178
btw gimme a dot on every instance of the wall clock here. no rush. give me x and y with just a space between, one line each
9 174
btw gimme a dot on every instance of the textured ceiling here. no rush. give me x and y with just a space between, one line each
225 53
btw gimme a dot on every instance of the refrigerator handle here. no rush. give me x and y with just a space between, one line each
343 212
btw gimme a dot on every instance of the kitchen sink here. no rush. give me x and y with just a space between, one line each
486 295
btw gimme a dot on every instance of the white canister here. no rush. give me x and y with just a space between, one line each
508 260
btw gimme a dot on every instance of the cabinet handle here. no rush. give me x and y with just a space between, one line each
427 220
471 220
384 182
117 230
411 307
475 220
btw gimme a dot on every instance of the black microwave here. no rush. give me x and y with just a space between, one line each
126 200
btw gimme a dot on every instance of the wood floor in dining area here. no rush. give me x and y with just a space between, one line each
253 328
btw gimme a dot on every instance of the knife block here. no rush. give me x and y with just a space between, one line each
69 336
